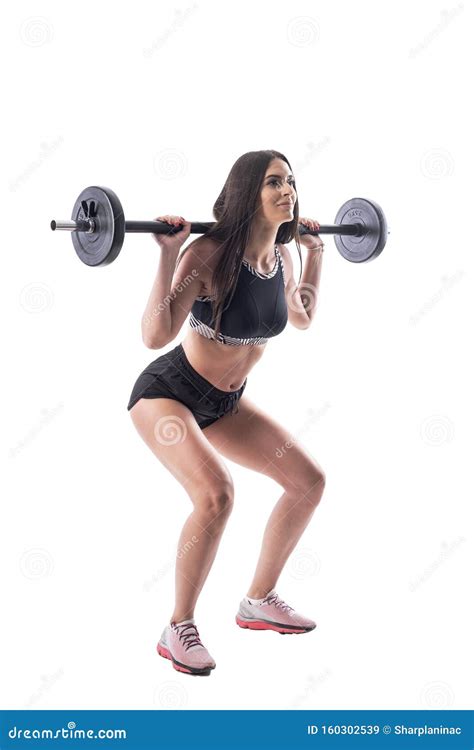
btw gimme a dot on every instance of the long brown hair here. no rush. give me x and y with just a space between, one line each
234 210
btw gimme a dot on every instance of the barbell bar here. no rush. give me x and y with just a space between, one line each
98 228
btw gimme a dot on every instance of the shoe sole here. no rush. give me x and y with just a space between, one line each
166 654
263 625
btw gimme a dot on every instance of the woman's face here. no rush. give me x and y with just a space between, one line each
278 193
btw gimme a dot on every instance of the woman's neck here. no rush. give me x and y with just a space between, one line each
261 245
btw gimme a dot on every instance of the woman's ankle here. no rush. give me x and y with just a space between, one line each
180 618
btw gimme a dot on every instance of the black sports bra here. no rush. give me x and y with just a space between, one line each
258 310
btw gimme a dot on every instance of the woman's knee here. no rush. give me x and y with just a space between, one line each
214 499
308 484
314 485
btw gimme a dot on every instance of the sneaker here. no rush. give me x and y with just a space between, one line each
272 614
182 645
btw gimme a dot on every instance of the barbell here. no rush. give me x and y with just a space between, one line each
98 228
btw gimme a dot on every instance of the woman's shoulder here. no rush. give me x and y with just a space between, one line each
201 251
204 252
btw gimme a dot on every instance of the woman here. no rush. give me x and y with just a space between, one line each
237 283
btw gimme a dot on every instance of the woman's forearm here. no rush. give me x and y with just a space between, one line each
156 320
309 283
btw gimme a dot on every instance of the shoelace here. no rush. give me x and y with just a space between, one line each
275 599
189 639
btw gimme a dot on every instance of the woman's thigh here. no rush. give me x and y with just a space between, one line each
171 432
257 441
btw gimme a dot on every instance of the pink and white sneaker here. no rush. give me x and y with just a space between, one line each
182 645
272 614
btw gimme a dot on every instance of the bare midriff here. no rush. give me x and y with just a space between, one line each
223 365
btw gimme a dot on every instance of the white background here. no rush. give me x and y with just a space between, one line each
157 101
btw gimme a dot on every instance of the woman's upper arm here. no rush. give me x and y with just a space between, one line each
188 281
296 313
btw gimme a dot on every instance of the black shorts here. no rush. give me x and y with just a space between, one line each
171 376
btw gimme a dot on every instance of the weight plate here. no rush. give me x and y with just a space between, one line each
102 246
371 243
